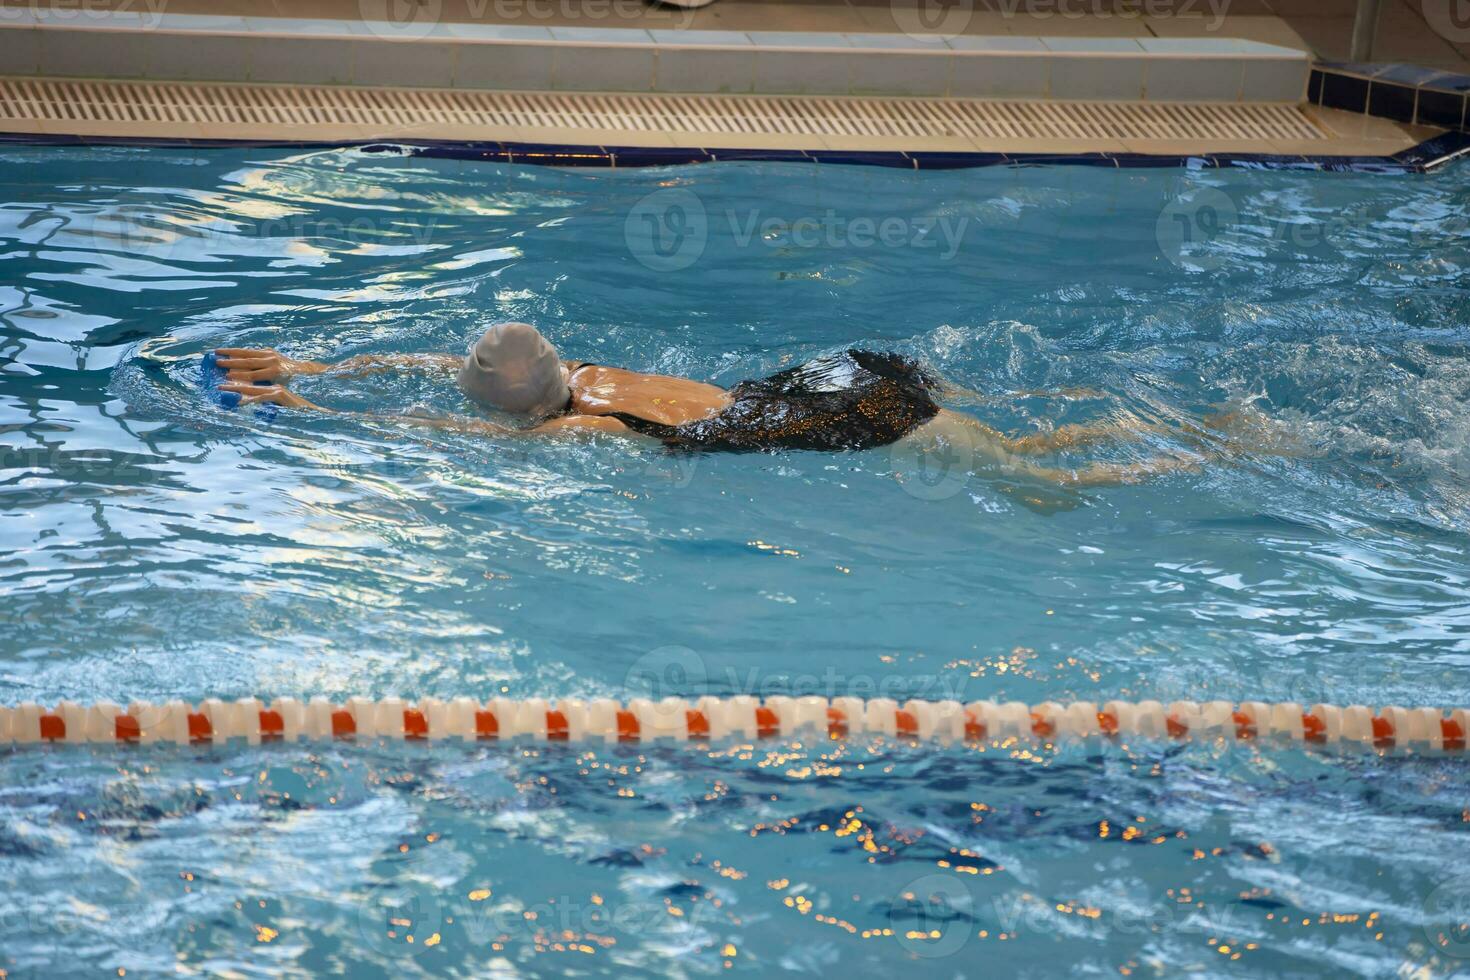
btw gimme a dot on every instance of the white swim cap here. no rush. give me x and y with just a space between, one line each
515 369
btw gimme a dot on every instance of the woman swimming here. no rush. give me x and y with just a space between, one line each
850 401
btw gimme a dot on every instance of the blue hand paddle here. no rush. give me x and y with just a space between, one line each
211 376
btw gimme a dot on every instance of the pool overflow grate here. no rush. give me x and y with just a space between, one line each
398 110
741 717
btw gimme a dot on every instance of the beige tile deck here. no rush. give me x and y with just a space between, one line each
1353 127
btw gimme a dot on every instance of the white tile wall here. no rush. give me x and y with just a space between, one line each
1106 77
105 54
800 73
305 61
203 58
590 68
504 66
703 69
1272 80
20 51
1194 79
418 65
900 73
999 76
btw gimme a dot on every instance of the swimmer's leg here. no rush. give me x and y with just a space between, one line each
1074 436
1120 474
988 449
959 393
993 443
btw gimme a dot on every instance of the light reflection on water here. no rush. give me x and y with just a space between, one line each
154 547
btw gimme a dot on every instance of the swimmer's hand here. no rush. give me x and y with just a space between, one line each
260 364
254 394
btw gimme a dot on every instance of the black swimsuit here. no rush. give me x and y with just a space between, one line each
854 400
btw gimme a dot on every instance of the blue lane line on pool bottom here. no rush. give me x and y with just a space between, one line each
211 376
1422 158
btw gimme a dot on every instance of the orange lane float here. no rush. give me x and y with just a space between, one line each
641 720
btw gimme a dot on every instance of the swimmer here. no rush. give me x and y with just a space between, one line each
854 400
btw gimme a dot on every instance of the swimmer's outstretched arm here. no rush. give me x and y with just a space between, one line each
251 394
566 425
263 364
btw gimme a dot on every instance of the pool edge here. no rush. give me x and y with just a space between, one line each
1423 157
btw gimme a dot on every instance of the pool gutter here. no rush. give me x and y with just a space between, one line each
639 129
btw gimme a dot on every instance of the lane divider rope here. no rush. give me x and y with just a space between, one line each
710 718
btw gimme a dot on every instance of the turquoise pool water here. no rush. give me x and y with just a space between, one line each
153 546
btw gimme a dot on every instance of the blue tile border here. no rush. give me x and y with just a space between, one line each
1404 93
1426 156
